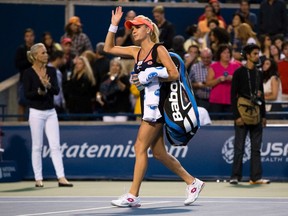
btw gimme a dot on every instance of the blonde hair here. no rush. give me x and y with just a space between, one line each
87 70
245 32
118 61
32 53
90 55
154 36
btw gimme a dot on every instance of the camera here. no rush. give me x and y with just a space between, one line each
256 100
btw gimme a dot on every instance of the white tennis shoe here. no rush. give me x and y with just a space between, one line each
193 190
127 200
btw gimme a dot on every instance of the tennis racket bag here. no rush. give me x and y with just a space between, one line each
180 108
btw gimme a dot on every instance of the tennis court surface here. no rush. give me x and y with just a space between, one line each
158 198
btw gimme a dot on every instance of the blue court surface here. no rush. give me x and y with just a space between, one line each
87 198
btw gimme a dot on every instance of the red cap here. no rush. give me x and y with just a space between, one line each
213 1
138 21
66 40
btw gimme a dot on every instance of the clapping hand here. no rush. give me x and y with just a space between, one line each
45 80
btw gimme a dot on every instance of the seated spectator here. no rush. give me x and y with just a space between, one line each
203 23
283 72
191 57
205 40
245 35
219 79
80 89
198 74
265 44
272 85
215 4
275 53
217 37
278 41
178 45
237 20
194 36
114 93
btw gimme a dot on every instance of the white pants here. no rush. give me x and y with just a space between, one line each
40 120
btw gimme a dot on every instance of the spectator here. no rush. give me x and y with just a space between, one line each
166 28
275 53
194 37
198 75
22 63
114 93
215 4
49 43
191 57
57 59
90 55
40 85
243 84
273 18
178 46
249 17
205 41
265 44
67 68
124 38
101 65
272 85
237 20
219 79
80 89
278 41
209 15
217 37
245 35
283 71
80 41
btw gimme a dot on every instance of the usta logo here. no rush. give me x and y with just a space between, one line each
228 150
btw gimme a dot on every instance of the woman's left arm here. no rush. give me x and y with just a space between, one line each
166 60
274 89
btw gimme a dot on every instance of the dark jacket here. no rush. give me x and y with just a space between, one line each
240 87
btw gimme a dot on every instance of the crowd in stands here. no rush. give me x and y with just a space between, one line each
92 82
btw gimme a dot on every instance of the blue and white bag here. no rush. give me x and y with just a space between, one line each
180 108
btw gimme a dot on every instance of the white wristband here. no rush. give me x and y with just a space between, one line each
113 28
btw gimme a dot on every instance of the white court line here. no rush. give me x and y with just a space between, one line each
162 197
88 209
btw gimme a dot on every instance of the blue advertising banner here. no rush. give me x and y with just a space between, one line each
106 152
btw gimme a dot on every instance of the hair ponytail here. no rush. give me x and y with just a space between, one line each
155 33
